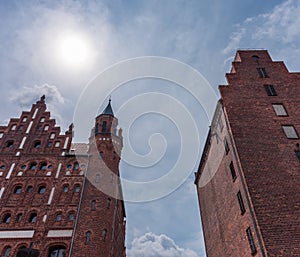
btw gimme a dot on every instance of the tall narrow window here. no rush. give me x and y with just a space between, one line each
262 72
104 126
88 237
290 131
76 166
57 251
241 203
71 216
42 190
104 234
93 205
32 166
251 241
101 155
270 90
19 217
279 109
232 171
226 146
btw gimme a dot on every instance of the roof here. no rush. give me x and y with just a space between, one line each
108 110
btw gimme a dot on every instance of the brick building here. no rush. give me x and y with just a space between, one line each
50 188
248 180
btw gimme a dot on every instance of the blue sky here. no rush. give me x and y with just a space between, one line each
203 34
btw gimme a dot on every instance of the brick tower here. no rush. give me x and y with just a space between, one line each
248 180
46 201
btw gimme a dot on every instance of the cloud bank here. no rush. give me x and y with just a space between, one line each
152 245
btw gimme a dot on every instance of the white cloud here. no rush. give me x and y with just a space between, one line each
28 95
152 245
276 29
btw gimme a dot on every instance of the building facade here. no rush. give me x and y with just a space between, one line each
51 196
248 181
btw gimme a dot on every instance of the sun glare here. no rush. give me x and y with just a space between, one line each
74 50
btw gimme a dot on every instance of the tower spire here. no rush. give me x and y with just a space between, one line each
108 110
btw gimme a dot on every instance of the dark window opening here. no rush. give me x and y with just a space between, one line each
101 155
226 146
32 218
241 203
18 190
270 90
49 144
57 251
20 128
262 72
19 217
104 233
23 167
93 205
69 166
251 241
71 216
6 251
2 167
9 144
66 188
104 126
58 217
43 166
32 166
255 58
42 190
87 237
232 171
77 188
6 218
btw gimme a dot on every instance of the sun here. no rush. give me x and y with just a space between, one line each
73 50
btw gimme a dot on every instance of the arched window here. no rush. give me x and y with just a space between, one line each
19 217
69 166
37 144
9 144
104 234
58 217
6 218
20 128
104 126
93 205
13 127
6 251
66 188
76 166
57 251
71 216
18 190
23 167
88 237
43 166
101 155
42 190
32 218
2 167
24 119
42 119
77 188
50 166
32 166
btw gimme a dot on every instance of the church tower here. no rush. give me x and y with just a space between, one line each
101 221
